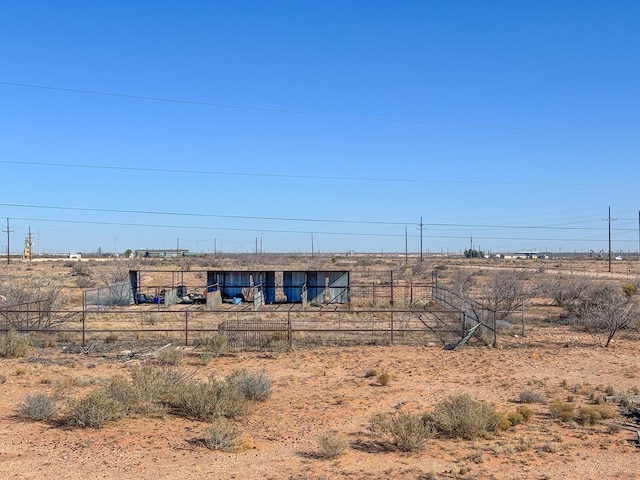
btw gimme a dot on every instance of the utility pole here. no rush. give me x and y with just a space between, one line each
421 239
609 219
178 247
406 246
8 249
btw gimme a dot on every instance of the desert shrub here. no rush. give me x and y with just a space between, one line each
560 410
13 344
215 344
407 431
208 400
594 414
331 446
525 411
40 406
124 391
384 378
222 434
372 372
630 289
170 357
462 416
94 410
159 384
527 396
253 386
515 418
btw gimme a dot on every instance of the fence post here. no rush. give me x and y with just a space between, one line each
391 327
495 330
289 332
84 309
186 327
392 288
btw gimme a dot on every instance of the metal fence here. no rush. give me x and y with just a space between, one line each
252 330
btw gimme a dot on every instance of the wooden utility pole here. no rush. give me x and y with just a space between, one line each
609 219
421 238
8 239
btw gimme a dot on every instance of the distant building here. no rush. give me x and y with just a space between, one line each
168 253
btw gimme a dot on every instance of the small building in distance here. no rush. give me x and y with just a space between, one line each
163 253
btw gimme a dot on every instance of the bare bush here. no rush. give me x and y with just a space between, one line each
566 292
607 311
35 305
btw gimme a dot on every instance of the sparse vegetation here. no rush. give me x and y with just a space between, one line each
331 446
407 431
252 386
13 344
384 378
464 417
221 434
93 410
38 407
560 410
527 396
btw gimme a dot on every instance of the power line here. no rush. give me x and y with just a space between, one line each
209 215
316 114
310 220
314 177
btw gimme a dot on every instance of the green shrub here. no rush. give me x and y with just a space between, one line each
560 410
13 344
408 431
94 410
331 446
461 416
221 435
38 407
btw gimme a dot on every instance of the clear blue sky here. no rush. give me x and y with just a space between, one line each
152 124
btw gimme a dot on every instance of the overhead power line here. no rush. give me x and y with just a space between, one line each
317 114
313 177
300 219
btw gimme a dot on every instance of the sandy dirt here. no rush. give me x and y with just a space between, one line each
327 391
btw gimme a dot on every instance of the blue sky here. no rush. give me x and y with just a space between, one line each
153 124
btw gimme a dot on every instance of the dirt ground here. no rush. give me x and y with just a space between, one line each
327 391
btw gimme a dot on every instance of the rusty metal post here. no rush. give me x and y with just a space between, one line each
391 327
289 331
392 288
